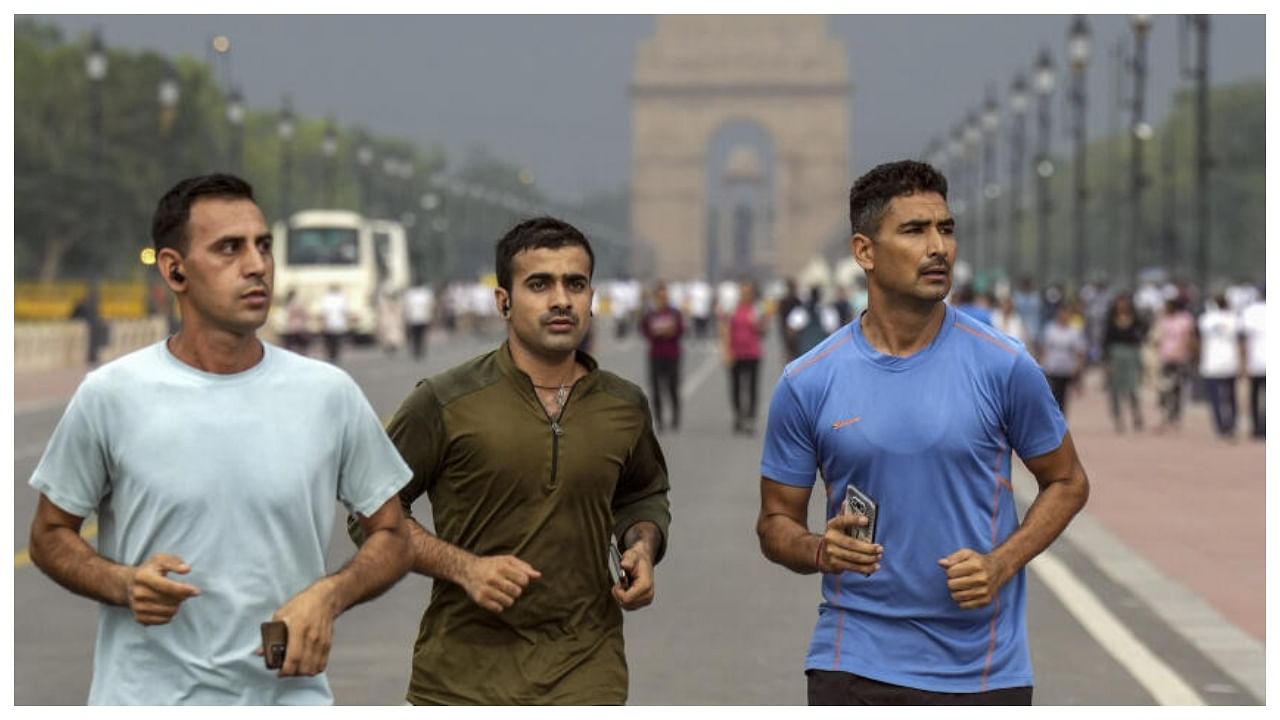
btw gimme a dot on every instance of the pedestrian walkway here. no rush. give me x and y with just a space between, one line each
1193 505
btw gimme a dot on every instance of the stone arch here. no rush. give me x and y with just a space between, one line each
696 73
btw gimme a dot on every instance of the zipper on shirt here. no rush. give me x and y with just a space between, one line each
556 432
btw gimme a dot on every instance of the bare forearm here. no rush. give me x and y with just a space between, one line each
68 560
1045 520
788 543
382 559
434 557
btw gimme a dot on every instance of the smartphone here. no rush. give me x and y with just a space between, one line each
275 638
857 502
619 575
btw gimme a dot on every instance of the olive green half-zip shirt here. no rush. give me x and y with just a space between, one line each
503 478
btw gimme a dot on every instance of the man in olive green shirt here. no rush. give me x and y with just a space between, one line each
532 458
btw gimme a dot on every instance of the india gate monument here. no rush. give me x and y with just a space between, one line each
696 76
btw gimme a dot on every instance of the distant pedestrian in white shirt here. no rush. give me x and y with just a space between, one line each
333 319
419 306
1219 341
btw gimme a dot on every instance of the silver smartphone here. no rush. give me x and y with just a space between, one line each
857 502
619 575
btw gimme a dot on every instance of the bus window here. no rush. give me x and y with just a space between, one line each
323 246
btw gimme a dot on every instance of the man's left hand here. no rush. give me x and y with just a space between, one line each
309 616
973 578
639 567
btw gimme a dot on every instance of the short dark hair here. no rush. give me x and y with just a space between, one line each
538 232
169 224
871 194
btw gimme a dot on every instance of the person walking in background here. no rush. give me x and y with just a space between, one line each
1253 326
333 321
1062 354
1174 336
786 304
741 332
99 332
296 334
1028 304
1006 319
1122 354
663 326
1218 340
419 305
390 321
811 322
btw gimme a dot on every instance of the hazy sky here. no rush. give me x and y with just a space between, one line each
551 92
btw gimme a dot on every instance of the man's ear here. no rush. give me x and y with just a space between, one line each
170 266
503 300
864 253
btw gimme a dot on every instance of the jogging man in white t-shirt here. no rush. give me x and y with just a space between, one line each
213 461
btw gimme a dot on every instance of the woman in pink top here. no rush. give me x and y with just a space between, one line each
740 335
1174 335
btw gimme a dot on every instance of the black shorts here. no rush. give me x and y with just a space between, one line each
828 687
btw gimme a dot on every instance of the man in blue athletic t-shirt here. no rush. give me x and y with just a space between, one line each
919 407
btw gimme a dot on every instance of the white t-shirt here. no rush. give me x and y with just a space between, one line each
235 474
418 305
333 310
1219 344
1253 322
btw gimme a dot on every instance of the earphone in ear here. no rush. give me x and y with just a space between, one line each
506 309
176 275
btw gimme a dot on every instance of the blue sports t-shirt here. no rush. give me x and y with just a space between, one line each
928 437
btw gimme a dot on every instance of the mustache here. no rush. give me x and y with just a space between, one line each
547 317
935 266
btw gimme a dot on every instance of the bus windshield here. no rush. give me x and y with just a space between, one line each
323 246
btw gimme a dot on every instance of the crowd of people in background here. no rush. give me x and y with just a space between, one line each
1163 336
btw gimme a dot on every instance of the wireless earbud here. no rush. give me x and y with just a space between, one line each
176 275
506 309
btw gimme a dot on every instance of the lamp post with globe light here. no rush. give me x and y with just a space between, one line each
1078 51
1017 161
1140 133
1044 84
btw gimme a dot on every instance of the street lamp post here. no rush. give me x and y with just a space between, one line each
95 66
284 130
364 157
168 93
990 188
1078 50
1199 73
329 146
1017 160
1140 133
973 188
235 118
1044 79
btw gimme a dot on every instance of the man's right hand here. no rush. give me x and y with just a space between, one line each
154 598
842 552
495 582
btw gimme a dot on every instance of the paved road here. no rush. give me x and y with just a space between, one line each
727 628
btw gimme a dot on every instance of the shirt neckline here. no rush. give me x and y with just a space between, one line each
221 378
893 363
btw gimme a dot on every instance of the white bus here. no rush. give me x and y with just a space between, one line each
322 248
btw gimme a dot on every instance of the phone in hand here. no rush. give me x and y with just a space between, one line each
857 502
275 638
620 576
